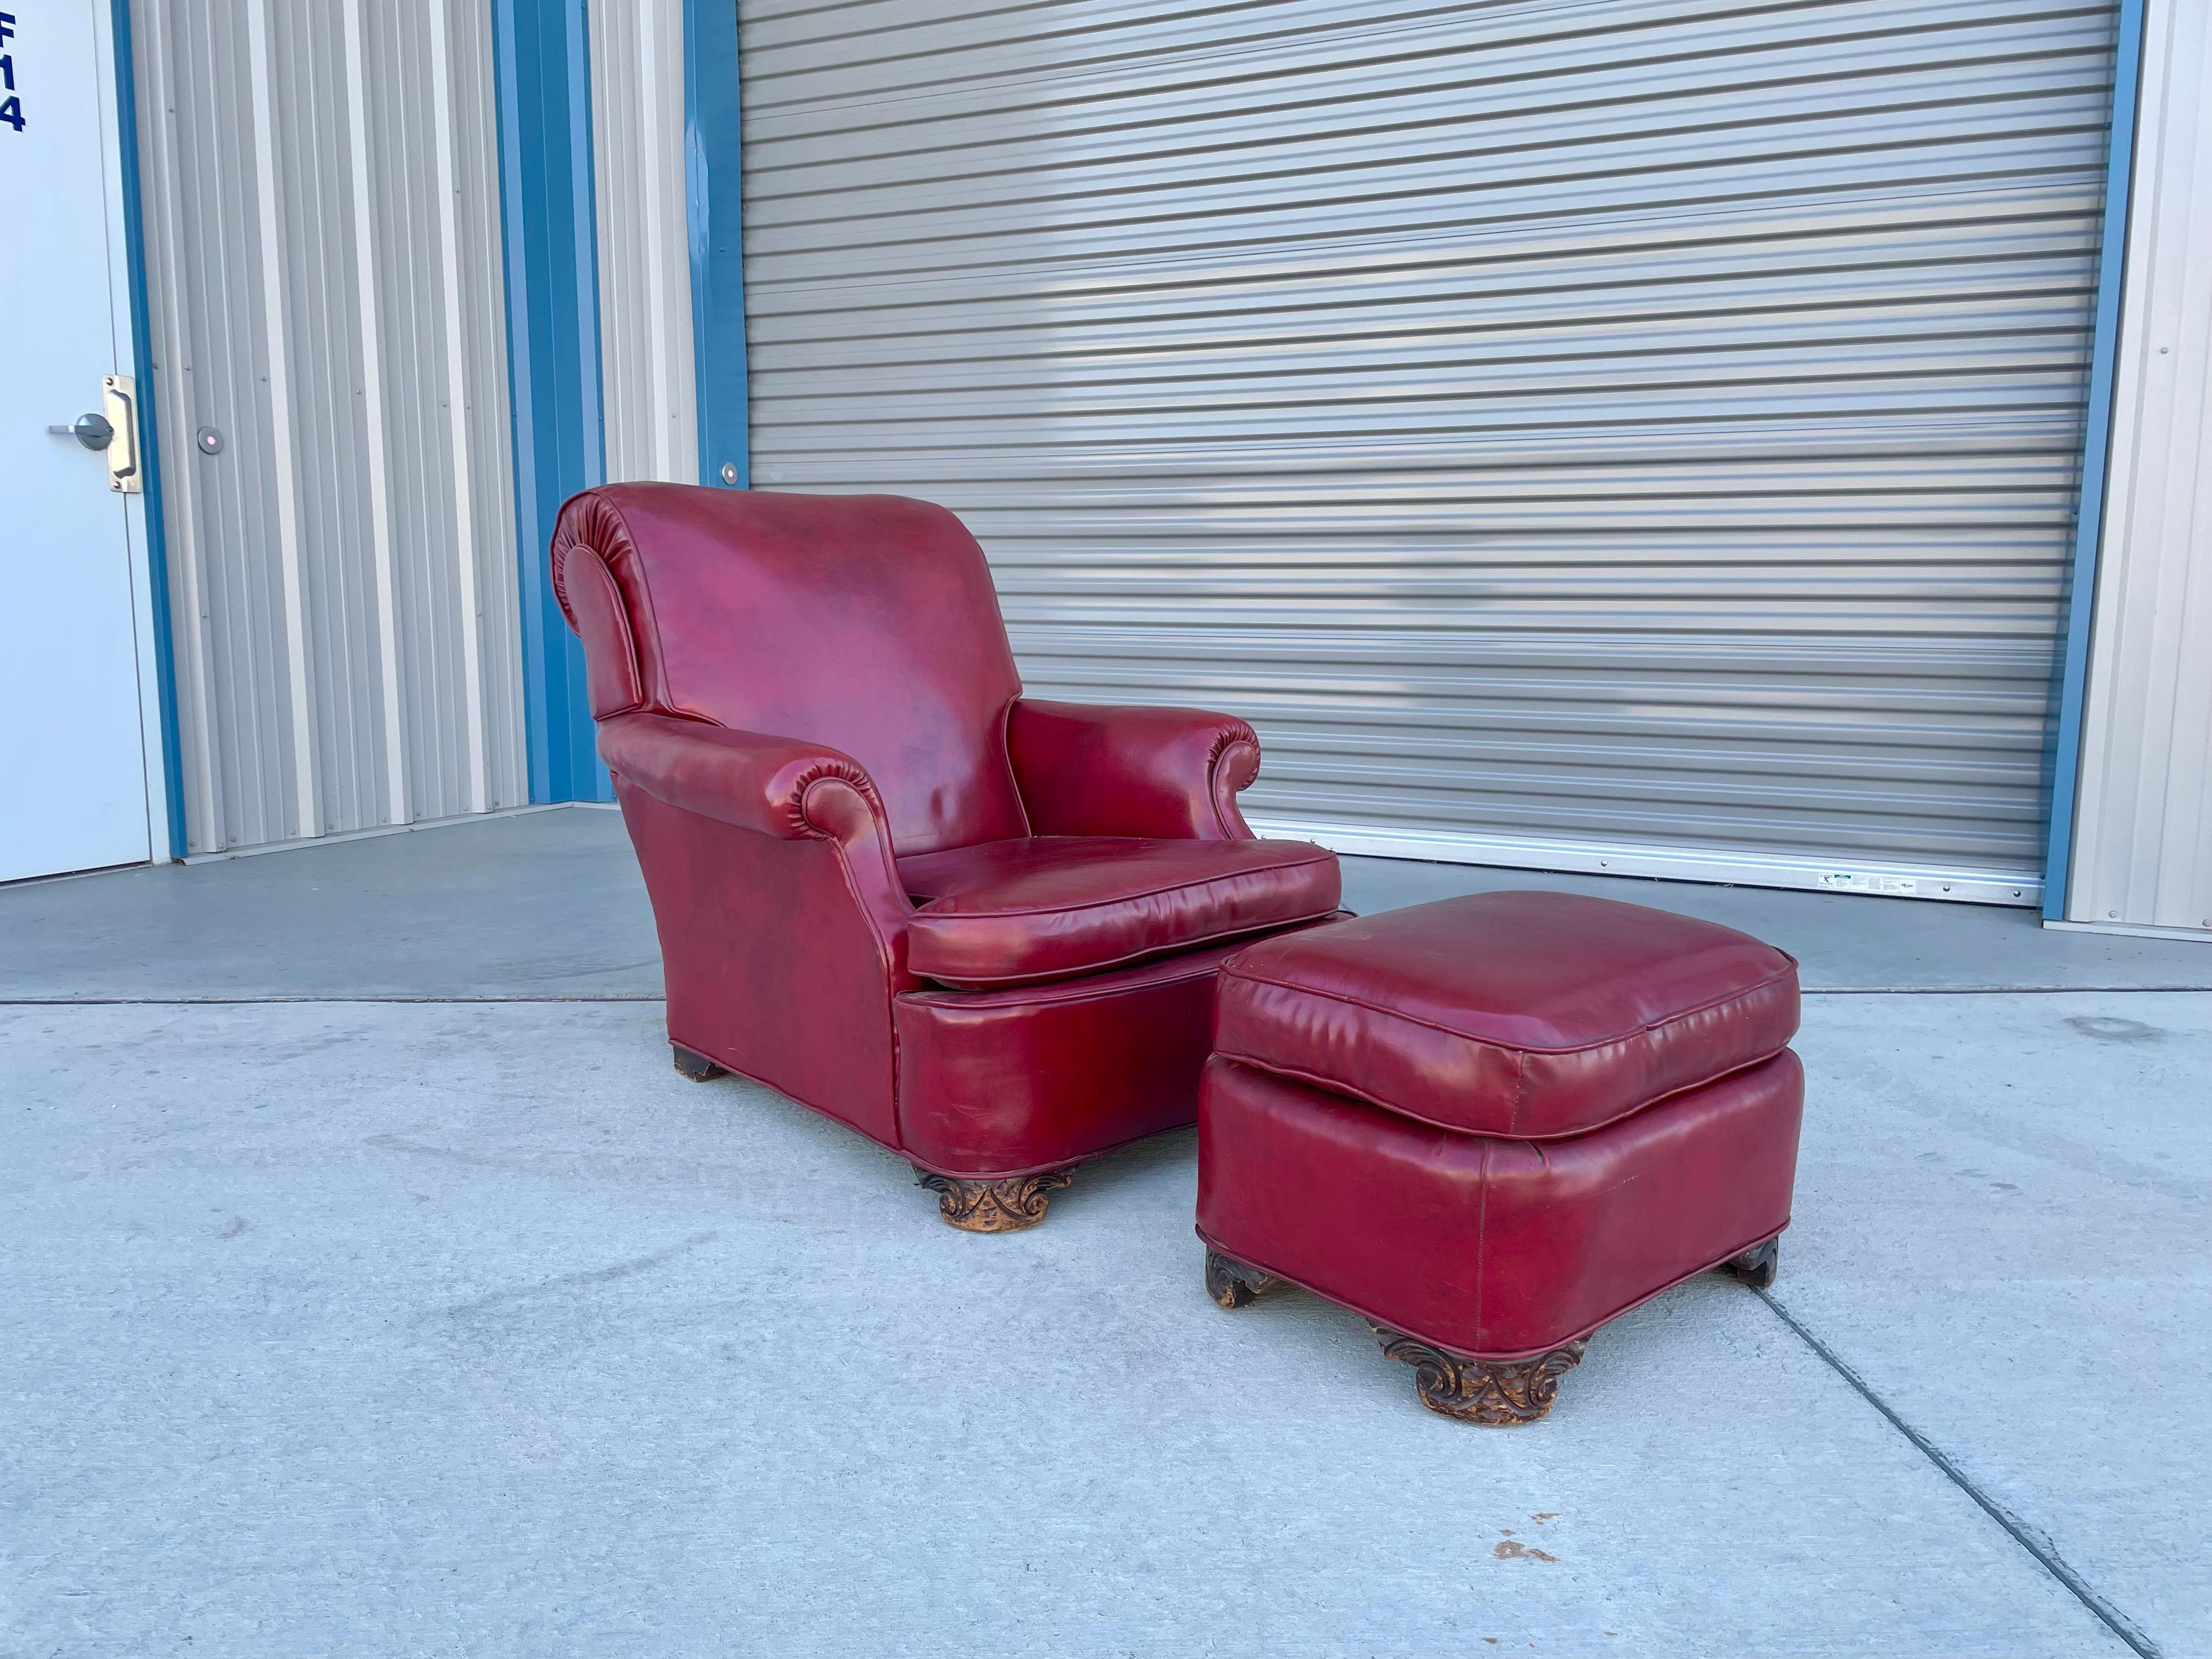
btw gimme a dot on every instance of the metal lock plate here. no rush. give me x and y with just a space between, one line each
119 396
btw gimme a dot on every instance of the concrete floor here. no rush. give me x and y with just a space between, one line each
549 904
403 1320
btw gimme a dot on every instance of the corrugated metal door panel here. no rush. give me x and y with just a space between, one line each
322 249
1628 435
479 252
2142 851
645 269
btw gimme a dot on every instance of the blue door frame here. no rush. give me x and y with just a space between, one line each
2070 681
543 56
712 175
542 49
149 431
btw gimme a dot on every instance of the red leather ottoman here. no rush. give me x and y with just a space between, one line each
1491 1124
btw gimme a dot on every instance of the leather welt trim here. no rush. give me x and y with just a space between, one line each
1007 982
1337 1085
1245 876
1742 994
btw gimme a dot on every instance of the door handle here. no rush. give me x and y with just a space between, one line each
93 431
119 393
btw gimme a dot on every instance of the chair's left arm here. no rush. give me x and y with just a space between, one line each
1087 769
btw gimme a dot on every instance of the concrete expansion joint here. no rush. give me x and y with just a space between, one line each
2035 1541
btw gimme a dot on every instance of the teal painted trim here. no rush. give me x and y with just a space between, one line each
543 54
712 179
150 430
2073 673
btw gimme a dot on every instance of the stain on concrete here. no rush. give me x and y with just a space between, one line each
589 1276
2107 1028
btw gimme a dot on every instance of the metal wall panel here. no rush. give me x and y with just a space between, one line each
645 266
1636 434
323 244
2143 849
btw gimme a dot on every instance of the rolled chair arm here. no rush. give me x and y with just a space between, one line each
775 786
1086 769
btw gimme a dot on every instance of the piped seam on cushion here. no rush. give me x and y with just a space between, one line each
1230 971
1062 989
1045 976
1006 759
1337 1086
927 908
939 996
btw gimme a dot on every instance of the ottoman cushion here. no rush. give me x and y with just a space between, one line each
1527 1014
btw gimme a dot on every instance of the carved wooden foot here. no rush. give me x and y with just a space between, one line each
1497 1394
698 1067
1757 1266
1230 1282
993 1206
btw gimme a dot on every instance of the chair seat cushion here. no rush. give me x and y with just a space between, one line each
1045 907
1524 1014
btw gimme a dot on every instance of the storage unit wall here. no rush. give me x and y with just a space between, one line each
1616 436
2142 855
645 272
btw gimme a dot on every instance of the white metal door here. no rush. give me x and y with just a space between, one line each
73 772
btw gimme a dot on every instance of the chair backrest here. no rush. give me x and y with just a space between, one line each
865 622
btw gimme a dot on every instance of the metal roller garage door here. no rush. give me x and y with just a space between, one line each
1637 434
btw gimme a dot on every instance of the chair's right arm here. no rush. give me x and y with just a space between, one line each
776 787
783 927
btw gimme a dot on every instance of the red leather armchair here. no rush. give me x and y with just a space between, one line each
978 928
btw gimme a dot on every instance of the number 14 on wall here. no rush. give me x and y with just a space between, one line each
11 107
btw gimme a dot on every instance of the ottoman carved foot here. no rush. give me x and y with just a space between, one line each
1230 1282
1004 1206
1757 1266
698 1067
1497 1393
